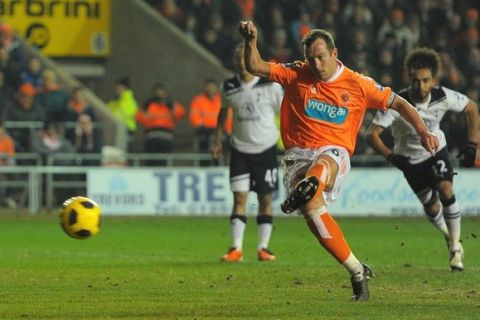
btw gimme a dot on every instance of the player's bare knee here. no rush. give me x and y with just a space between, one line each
445 190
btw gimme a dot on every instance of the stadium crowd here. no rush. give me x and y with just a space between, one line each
373 37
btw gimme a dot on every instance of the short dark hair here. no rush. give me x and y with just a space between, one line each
423 58
314 34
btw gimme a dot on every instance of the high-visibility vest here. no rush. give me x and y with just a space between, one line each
161 115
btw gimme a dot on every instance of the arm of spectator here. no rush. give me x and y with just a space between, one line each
411 115
253 61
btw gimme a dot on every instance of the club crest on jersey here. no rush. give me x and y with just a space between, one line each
320 110
345 97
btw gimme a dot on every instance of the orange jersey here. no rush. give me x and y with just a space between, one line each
316 113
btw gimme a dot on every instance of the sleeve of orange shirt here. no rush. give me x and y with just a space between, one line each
195 113
284 74
377 96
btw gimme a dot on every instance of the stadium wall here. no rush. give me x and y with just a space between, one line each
194 191
149 49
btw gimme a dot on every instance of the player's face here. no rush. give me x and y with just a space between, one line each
320 60
421 83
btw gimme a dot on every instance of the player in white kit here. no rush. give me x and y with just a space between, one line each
430 177
253 160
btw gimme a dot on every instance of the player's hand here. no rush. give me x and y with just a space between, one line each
248 30
217 150
399 161
468 155
430 142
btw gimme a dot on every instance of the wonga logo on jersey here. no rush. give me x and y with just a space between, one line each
323 111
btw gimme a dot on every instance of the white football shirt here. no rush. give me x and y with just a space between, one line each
254 104
407 142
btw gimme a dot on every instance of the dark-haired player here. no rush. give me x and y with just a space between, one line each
430 177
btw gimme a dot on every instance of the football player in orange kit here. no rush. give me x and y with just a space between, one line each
321 114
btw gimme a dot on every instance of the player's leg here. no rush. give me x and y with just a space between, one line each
433 210
422 179
264 223
453 217
443 178
264 179
240 185
327 172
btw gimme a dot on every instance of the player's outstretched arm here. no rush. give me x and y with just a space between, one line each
407 111
471 111
253 61
468 154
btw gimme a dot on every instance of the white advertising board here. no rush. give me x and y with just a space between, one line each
206 191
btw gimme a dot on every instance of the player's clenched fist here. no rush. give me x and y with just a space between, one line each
247 30
429 142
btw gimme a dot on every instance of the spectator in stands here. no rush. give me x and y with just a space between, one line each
215 38
4 98
25 108
87 139
395 25
159 119
12 45
9 71
49 140
7 147
7 154
451 75
190 26
52 97
123 105
78 105
358 17
204 111
172 11
32 73
278 50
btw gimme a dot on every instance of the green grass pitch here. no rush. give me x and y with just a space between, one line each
169 268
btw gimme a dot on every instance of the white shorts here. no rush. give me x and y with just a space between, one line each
296 162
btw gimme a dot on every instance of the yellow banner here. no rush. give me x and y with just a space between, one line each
61 28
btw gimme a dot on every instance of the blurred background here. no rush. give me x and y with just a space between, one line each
91 87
